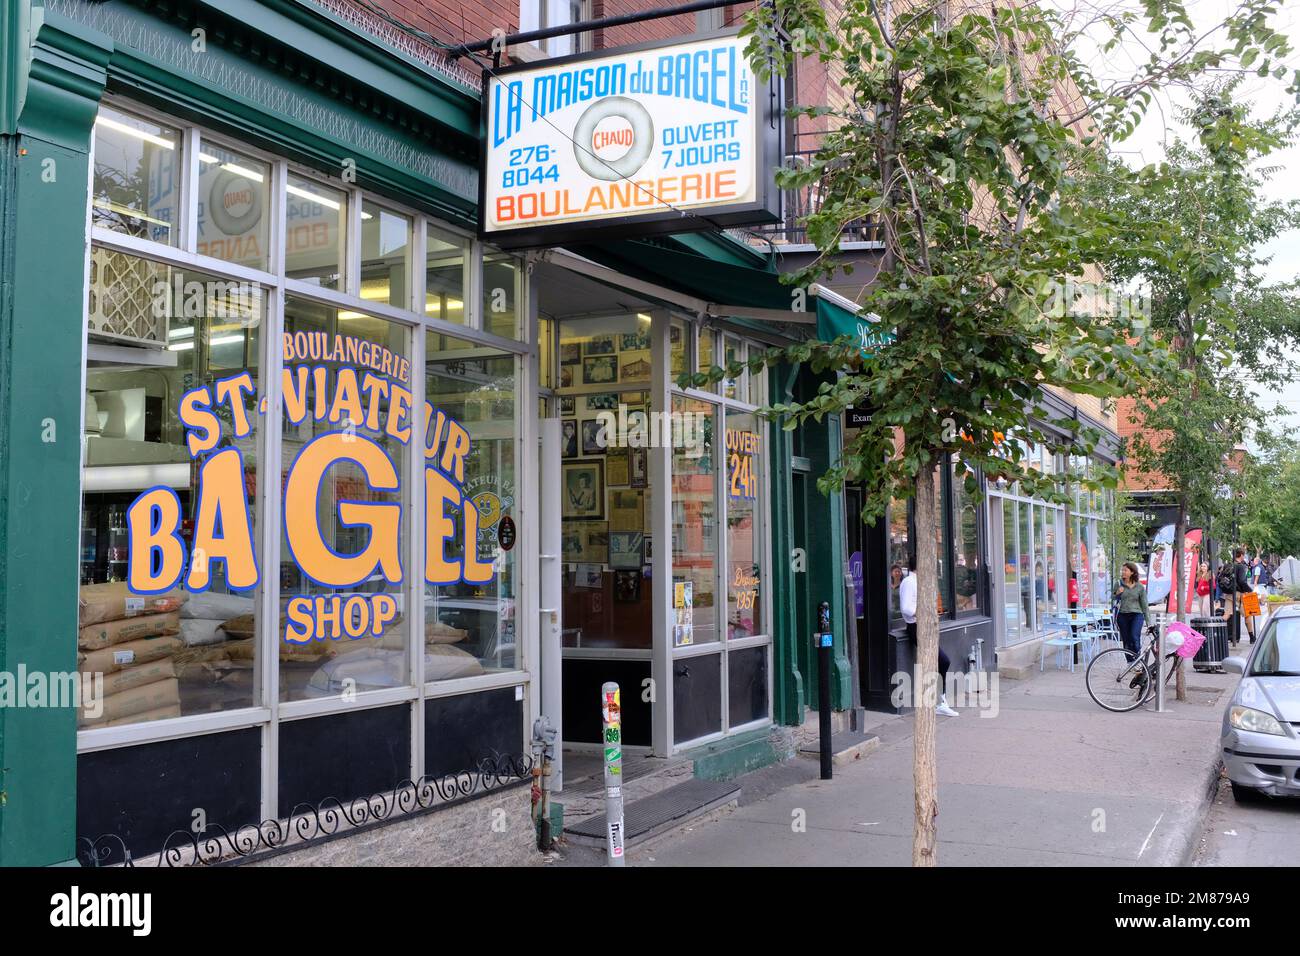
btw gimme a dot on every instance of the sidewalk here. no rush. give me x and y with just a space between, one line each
1051 780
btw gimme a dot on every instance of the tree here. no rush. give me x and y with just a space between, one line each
1196 221
1270 485
954 139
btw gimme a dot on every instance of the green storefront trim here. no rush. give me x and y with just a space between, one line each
285 75
44 171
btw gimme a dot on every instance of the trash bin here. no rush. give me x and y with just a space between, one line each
1215 648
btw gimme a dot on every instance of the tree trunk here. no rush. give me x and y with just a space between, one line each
1180 544
925 770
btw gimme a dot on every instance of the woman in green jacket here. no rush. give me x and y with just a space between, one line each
1133 610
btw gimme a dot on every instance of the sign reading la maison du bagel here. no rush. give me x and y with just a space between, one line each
664 137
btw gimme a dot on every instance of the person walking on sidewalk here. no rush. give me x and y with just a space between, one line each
1241 587
1133 609
1203 588
907 605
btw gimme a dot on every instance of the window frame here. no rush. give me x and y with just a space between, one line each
267 710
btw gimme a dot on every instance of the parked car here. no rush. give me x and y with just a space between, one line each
1261 725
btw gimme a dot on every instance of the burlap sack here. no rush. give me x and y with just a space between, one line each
115 658
112 602
139 675
107 633
137 700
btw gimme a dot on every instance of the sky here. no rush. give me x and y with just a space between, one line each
1160 125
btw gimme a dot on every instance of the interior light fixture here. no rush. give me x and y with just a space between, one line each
132 131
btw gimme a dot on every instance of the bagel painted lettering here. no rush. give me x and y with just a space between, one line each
362 397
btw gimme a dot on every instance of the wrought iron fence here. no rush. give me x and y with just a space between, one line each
798 204
309 824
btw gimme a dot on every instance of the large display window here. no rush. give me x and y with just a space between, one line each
300 448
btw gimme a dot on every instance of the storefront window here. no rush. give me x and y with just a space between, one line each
604 368
704 356
136 189
385 255
694 522
1024 517
744 540
315 234
900 550
471 627
501 295
342 402
734 387
1010 572
1049 553
965 523
941 546
446 256
154 422
234 206
677 348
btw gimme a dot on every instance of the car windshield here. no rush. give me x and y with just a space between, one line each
1279 650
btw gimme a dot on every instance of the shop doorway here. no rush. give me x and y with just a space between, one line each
877 646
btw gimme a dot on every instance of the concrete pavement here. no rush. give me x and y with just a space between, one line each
1051 780
1266 833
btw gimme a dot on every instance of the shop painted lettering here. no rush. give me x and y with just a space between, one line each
364 392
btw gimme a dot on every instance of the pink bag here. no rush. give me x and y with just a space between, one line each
1185 640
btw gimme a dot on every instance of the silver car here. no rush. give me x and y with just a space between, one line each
1261 727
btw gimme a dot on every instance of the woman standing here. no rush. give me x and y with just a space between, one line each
1203 590
1133 610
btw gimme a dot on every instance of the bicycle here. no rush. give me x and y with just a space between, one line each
1120 683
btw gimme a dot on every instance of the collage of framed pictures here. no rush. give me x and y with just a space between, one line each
604 486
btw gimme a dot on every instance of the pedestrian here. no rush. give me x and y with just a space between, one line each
1241 586
1203 588
907 605
1133 609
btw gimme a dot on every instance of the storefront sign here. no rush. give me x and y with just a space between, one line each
742 468
364 390
624 142
1160 576
1191 550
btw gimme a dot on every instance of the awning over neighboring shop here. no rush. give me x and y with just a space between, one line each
711 268
838 316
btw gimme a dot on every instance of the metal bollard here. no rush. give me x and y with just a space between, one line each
825 641
611 713
1160 668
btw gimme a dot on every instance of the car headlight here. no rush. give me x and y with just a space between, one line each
1256 721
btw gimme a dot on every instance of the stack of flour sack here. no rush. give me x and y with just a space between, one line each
131 639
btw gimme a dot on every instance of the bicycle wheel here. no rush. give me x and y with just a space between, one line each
1115 682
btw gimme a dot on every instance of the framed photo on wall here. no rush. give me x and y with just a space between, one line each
599 370
591 441
627 587
569 438
566 406
625 549
616 467
600 345
582 490
638 468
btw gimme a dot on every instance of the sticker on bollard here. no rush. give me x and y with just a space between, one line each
611 714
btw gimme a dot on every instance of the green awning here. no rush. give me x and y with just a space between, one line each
722 277
834 320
